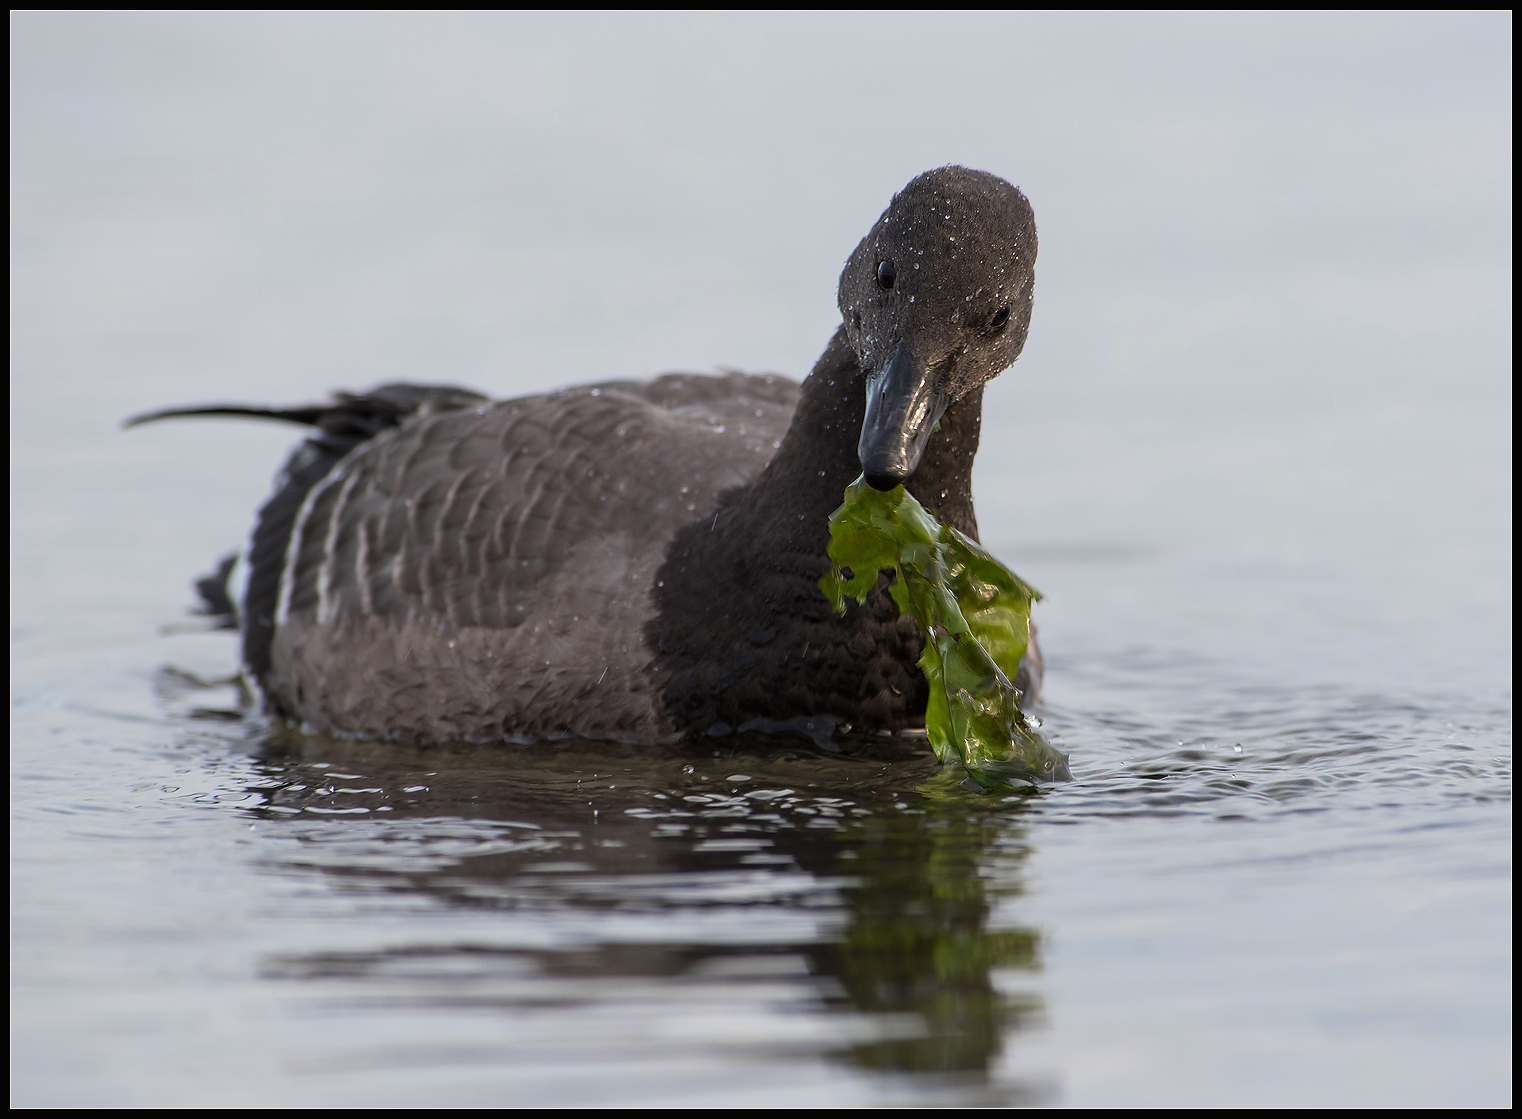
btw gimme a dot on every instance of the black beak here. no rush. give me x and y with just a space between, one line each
904 403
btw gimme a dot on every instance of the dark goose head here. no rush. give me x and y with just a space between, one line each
936 302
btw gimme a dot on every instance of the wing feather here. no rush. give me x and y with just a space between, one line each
486 570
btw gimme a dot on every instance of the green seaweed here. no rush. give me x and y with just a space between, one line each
975 616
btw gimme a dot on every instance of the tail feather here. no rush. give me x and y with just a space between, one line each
350 416
310 416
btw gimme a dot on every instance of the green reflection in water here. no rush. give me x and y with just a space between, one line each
919 939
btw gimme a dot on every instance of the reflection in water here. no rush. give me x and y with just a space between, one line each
918 938
851 898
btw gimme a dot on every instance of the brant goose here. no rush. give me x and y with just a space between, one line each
639 560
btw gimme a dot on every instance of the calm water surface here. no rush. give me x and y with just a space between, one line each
1256 455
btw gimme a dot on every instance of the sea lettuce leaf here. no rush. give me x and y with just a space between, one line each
974 614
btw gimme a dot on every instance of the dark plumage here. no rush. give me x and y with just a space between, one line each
640 560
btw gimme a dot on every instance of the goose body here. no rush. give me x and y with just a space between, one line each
640 561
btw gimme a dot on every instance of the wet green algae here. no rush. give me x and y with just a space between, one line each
974 614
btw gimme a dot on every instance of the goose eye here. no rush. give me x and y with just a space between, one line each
885 274
1001 317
